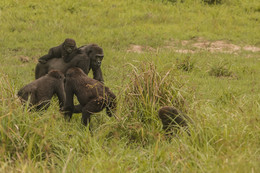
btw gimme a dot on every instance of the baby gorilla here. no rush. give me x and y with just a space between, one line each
62 51
40 91
92 95
172 119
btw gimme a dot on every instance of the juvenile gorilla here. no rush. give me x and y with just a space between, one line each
92 95
62 51
86 57
41 90
172 119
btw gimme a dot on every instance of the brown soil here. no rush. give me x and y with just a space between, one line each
197 45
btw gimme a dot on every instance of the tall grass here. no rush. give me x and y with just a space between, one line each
219 91
148 90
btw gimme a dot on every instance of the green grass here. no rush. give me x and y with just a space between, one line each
219 91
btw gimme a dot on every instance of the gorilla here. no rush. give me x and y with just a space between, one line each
86 57
62 51
92 95
40 91
172 119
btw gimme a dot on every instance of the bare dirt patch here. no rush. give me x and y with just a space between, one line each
252 48
197 45
140 49
217 46
24 59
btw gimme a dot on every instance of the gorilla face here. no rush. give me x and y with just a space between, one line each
69 45
69 49
98 60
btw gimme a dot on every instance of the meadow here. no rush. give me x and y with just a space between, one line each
202 58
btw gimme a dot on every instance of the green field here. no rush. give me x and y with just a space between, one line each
203 59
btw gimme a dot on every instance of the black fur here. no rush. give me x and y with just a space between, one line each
62 51
86 57
41 90
92 95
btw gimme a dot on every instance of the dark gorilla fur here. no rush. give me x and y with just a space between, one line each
86 57
41 90
172 119
92 95
62 51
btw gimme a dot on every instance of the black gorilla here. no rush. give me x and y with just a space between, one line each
41 90
92 95
172 119
62 51
86 57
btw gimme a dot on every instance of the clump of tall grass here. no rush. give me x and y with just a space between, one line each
16 140
186 64
149 89
221 69
25 135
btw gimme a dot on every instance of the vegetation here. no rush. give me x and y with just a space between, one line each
156 53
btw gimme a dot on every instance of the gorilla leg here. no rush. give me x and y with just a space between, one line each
40 70
77 108
85 118
91 107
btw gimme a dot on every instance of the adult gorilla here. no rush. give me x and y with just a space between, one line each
86 57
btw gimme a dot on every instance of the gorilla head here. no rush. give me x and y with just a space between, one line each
69 45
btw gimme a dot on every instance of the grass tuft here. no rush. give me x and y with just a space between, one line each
221 69
148 90
187 64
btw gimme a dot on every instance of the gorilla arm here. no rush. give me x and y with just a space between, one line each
54 52
97 74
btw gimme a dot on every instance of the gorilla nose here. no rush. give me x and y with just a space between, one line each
99 62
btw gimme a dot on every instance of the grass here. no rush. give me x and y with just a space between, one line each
219 91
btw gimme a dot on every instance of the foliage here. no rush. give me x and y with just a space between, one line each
226 134
221 69
148 90
187 64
